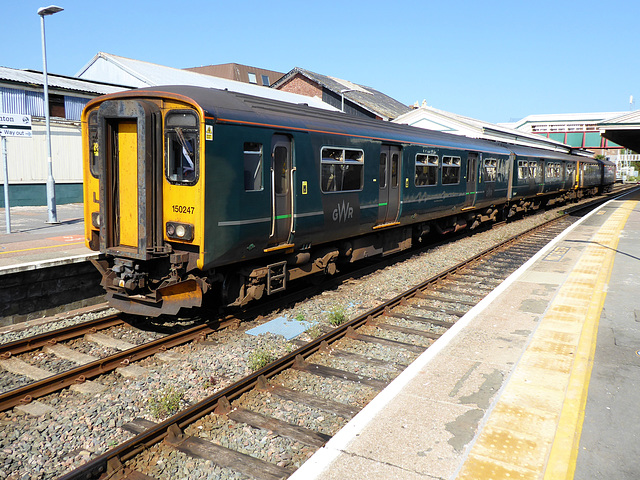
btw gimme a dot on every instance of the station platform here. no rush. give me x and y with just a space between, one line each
34 243
540 380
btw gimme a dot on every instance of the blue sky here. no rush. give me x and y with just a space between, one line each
492 60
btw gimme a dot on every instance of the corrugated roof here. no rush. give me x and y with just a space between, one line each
479 129
57 81
153 75
363 96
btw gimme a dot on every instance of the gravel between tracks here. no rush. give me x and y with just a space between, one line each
78 428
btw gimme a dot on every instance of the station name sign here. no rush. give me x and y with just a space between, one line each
15 125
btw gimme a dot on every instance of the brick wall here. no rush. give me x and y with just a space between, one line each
303 86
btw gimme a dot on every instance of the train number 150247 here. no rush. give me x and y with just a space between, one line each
182 209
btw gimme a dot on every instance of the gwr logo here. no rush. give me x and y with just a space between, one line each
342 212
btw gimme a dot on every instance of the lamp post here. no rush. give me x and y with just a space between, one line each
51 185
342 92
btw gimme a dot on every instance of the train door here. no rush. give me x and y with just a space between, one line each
281 191
389 184
472 179
130 181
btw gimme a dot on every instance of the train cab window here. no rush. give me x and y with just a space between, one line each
252 166
181 134
523 169
450 170
94 168
490 167
342 169
426 170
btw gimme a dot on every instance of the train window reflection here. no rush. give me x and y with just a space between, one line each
252 166
280 155
181 133
341 169
450 170
490 168
426 170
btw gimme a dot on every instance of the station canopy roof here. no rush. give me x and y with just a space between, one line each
623 130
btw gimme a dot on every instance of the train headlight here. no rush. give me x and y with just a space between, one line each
179 231
96 219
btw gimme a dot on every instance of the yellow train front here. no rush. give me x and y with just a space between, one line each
143 197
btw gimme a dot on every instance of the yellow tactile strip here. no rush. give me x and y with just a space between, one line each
534 430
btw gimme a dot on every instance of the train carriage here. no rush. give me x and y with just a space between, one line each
190 190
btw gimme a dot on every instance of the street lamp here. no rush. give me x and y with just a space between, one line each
51 185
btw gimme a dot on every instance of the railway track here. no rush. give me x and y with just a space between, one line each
402 328
406 329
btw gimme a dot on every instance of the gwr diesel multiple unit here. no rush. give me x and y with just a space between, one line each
193 190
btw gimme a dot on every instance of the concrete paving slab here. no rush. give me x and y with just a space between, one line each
287 327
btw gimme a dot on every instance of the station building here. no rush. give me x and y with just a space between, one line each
22 93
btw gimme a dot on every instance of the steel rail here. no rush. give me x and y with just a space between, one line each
51 338
54 383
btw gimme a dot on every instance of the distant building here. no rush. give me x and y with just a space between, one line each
355 99
22 93
579 130
137 74
240 73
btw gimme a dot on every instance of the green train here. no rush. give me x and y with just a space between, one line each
194 192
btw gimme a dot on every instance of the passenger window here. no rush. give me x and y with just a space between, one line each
342 169
94 168
450 170
426 170
182 134
490 168
523 169
252 166
280 155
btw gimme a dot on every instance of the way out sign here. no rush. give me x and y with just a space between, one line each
15 125
11 125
